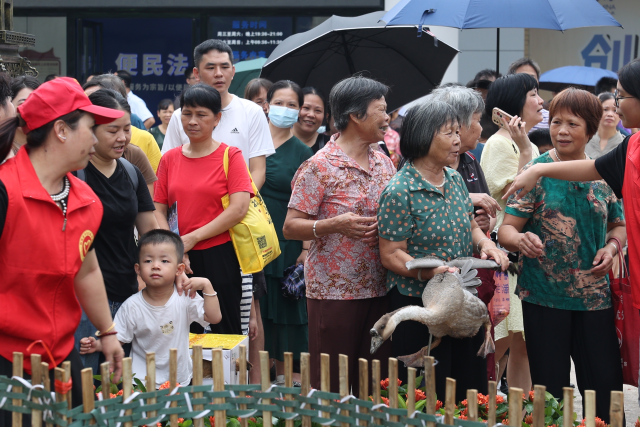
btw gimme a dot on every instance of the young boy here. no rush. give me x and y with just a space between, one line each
157 318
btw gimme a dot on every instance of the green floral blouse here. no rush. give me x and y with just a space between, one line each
571 218
434 224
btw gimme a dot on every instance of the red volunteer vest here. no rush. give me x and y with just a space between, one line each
39 261
631 201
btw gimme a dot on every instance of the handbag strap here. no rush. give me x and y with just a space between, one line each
225 165
622 267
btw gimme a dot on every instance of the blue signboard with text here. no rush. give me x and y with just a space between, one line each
251 37
157 53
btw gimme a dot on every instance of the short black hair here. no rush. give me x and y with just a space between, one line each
353 96
540 137
158 236
50 77
201 95
164 104
209 45
286 84
509 93
421 124
629 78
484 74
125 76
252 89
605 96
110 98
107 81
188 73
23 82
522 62
310 90
605 84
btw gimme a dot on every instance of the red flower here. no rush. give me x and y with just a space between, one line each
499 399
528 419
385 383
462 417
253 419
531 394
419 395
438 405
180 420
464 412
212 420
165 385
119 393
464 403
637 424
385 400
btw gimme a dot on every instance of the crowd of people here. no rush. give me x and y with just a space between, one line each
132 221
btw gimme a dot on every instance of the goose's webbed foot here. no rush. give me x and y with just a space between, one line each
416 360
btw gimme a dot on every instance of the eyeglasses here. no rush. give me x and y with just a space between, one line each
617 97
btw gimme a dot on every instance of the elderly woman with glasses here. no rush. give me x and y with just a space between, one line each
426 211
333 204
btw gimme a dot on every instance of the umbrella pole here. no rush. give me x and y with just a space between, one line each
498 52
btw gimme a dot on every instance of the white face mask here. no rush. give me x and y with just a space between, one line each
283 117
322 129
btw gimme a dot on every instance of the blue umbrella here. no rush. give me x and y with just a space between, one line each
467 14
573 75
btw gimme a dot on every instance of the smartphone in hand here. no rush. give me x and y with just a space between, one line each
497 116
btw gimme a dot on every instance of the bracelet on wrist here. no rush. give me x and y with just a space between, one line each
106 334
103 333
480 241
314 229
615 245
210 295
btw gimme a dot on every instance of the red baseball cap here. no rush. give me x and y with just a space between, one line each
58 97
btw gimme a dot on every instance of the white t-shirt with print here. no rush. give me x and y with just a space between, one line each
243 125
157 329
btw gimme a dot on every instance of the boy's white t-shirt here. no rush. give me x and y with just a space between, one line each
243 125
157 329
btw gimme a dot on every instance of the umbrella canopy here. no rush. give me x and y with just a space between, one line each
340 47
245 71
466 14
559 78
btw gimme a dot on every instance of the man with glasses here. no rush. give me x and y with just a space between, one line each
191 78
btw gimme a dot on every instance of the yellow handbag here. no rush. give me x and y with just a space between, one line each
254 238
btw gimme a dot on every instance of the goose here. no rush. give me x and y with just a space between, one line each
451 307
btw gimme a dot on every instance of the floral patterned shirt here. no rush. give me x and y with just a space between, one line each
331 184
570 217
432 223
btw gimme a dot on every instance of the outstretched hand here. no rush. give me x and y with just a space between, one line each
525 181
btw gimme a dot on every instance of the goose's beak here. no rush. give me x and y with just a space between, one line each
376 340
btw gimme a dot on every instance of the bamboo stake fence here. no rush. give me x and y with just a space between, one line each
287 403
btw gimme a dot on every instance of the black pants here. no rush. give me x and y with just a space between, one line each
220 265
6 368
342 327
456 357
555 336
